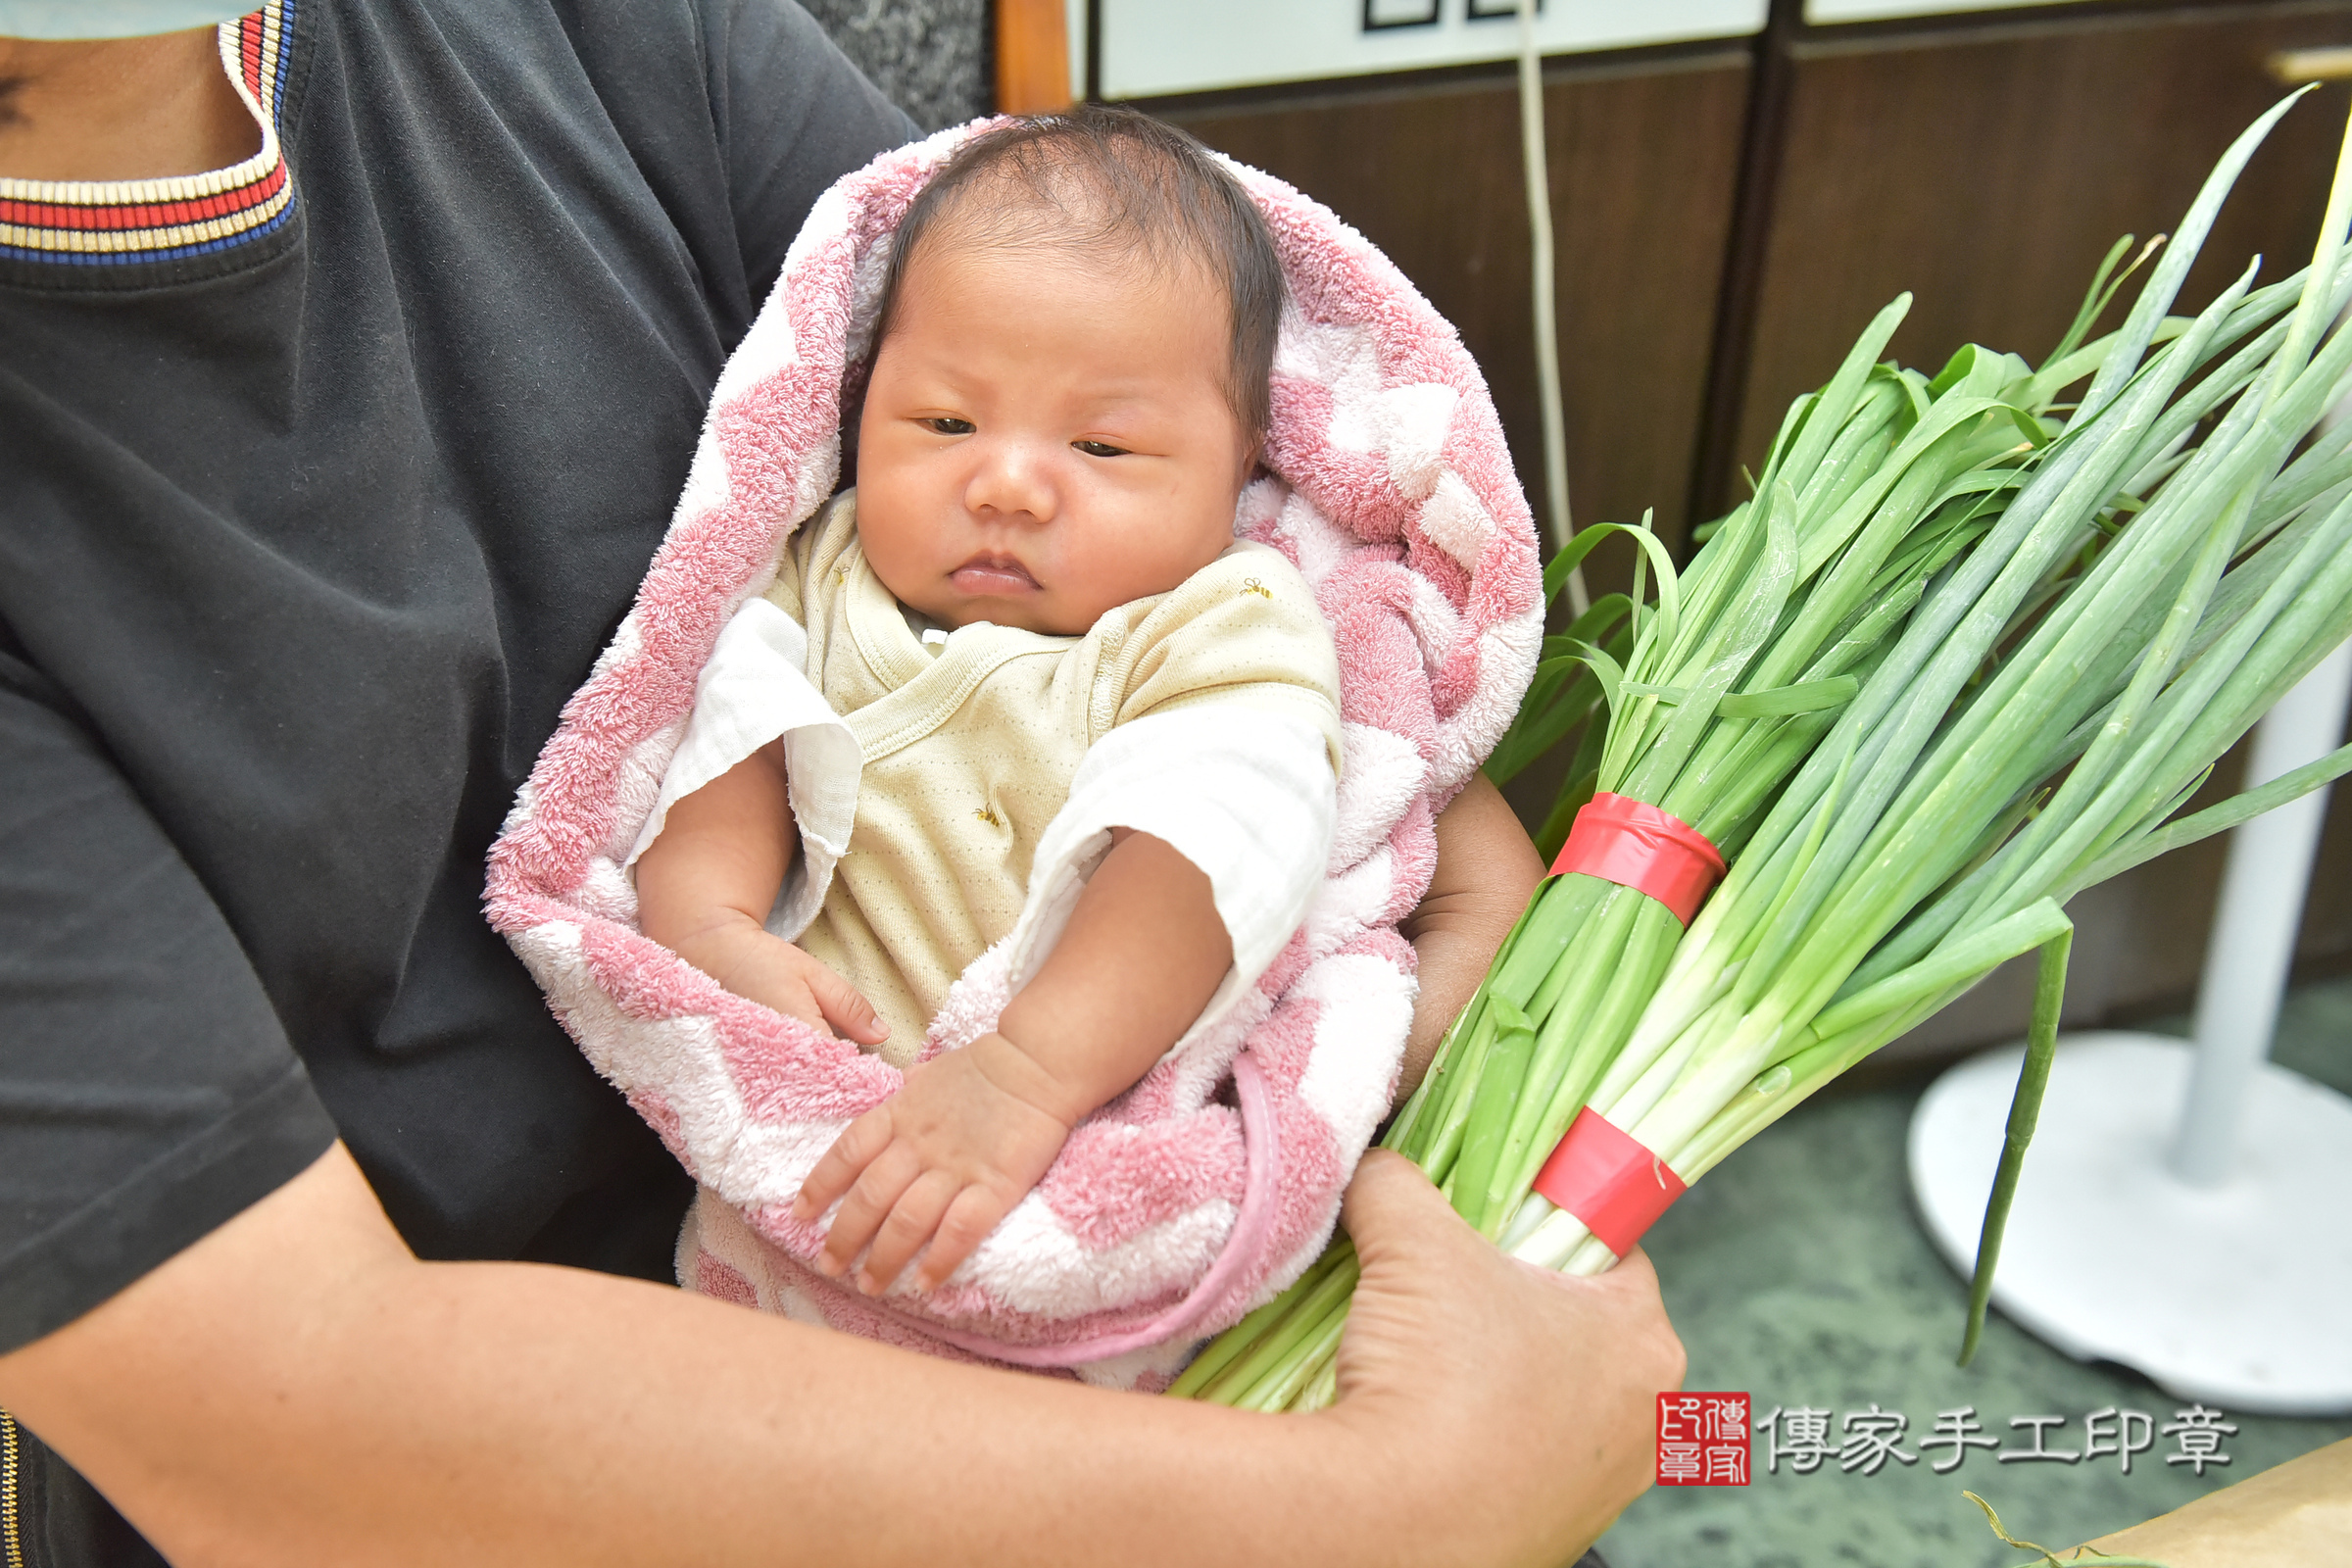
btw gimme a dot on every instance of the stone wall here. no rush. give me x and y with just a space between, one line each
930 56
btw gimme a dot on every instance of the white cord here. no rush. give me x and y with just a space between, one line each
1548 327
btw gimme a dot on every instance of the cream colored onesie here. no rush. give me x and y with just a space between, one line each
967 754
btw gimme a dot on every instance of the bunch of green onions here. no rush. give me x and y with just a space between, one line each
1966 651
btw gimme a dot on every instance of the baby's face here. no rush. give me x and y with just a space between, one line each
1047 436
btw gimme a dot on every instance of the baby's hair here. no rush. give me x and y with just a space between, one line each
1113 180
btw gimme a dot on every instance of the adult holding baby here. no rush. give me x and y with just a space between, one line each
328 471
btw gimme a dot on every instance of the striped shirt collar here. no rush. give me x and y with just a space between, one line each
117 223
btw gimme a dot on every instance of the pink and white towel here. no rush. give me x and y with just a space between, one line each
1213 1182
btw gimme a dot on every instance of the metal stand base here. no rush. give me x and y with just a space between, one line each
2238 1295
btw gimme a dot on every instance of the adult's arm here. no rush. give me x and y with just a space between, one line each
1487 870
297 1389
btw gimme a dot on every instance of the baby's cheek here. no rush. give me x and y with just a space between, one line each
1162 546
905 554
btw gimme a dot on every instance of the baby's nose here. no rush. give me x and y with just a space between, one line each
1012 478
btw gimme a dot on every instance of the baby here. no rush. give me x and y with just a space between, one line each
1035 584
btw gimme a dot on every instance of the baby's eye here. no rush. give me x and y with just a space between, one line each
1099 449
944 424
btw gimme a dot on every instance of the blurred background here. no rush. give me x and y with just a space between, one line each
1736 186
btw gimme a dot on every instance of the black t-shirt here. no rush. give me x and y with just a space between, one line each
304 542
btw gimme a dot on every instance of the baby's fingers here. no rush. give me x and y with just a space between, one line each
846 1009
975 1212
913 1219
859 1218
795 1001
843 1163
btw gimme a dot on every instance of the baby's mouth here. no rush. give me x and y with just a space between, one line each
991 577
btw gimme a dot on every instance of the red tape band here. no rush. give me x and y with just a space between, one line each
1621 840
1605 1178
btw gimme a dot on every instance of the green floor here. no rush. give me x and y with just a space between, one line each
1799 1273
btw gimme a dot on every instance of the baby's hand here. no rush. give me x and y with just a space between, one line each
770 970
941 1161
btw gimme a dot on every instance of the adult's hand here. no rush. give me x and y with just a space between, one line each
1487 870
295 1389
1534 1393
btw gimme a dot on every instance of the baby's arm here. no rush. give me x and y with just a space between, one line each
706 884
973 1129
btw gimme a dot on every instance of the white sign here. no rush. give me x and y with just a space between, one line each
1823 10
1154 47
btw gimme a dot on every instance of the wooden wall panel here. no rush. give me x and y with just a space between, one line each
1642 162
1033 57
1989 169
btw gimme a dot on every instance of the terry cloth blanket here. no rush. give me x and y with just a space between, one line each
1214 1181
